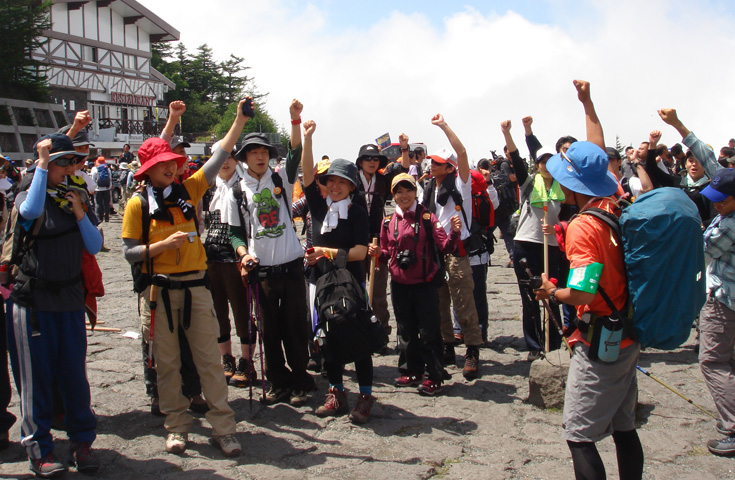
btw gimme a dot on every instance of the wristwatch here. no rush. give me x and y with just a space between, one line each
552 296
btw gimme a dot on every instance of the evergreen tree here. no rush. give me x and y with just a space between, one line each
21 33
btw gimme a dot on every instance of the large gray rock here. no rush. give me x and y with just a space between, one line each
547 379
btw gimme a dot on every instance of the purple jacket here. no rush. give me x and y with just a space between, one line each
425 267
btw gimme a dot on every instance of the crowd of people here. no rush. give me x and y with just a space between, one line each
206 240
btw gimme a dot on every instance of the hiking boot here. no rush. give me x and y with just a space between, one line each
176 442
335 404
4 440
533 355
228 365
408 380
298 398
228 444
47 467
198 405
361 413
244 374
83 457
156 408
430 388
449 357
471 363
720 429
724 447
275 395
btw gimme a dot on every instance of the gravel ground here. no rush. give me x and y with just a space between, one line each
479 429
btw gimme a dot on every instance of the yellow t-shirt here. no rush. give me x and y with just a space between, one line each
191 255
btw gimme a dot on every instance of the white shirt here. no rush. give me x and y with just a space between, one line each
271 236
445 213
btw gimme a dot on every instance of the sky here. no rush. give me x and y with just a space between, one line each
363 69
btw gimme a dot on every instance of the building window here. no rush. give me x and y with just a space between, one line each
90 54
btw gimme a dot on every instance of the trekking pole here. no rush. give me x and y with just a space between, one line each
250 336
547 325
153 305
524 265
648 374
371 276
260 336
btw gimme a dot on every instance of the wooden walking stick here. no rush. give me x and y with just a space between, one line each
371 278
547 326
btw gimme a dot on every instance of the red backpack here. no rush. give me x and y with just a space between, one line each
482 208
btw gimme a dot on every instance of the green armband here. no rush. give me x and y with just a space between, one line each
585 279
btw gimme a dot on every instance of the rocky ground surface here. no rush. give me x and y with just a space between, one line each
479 429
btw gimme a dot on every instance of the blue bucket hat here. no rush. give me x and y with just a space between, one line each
583 169
721 186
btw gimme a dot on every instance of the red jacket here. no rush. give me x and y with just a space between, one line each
424 268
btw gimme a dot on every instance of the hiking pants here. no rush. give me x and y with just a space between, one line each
7 419
190 385
228 290
285 326
457 291
59 352
202 337
102 204
420 343
479 278
717 358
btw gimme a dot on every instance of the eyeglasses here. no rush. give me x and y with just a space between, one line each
574 166
65 161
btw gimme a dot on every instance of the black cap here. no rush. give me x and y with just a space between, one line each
341 168
371 150
259 139
61 146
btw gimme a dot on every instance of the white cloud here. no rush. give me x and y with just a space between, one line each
478 70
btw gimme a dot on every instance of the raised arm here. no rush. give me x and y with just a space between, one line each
295 110
405 161
532 142
307 156
594 128
463 163
700 150
81 120
226 145
175 110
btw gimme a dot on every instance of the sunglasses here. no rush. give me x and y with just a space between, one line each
66 161
371 159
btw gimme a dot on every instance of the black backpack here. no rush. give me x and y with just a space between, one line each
506 194
344 315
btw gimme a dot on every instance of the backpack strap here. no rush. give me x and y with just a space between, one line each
242 204
606 217
278 182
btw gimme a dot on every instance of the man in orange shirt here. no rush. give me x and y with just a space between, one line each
601 395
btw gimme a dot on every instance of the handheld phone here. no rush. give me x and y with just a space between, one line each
247 108
191 236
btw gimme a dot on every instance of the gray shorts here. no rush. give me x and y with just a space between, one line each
600 398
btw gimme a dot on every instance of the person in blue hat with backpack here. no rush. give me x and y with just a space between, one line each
601 393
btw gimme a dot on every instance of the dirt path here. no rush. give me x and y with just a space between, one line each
480 430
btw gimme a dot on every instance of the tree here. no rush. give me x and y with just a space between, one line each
22 24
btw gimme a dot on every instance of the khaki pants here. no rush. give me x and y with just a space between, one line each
202 336
458 291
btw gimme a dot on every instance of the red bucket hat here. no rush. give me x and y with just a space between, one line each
154 151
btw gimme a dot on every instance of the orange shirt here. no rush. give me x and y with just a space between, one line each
590 241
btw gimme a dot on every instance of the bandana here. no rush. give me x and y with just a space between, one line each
219 198
174 194
71 184
539 194
337 211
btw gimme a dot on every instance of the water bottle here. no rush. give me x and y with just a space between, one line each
610 336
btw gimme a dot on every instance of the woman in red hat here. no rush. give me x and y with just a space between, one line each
175 262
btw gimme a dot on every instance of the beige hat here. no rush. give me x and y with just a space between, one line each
400 178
